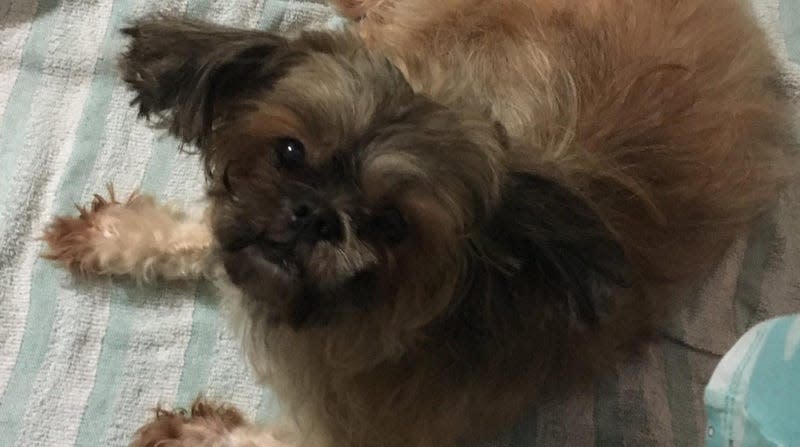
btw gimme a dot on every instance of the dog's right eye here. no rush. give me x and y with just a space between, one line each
291 153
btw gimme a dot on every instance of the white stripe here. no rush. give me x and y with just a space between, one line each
14 29
55 112
159 335
231 379
305 15
243 13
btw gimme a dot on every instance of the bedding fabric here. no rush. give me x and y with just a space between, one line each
82 363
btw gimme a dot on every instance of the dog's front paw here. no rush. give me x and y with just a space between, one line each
76 242
206 424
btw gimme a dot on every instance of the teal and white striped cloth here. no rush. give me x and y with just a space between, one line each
753 397
81 364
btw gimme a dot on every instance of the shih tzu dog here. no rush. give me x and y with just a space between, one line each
449 211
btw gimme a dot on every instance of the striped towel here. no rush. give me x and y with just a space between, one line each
80 364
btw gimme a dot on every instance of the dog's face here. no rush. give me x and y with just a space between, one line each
334 186
339 193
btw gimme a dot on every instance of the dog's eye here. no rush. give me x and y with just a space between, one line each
392 225
291 153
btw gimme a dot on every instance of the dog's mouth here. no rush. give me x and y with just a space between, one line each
281 255
274 273
257 255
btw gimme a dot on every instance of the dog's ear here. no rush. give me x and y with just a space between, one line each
186 73
546 242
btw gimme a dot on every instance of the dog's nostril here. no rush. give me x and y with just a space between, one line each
323 229
328 226
301 211
316 223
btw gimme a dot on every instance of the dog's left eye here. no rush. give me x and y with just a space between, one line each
291 153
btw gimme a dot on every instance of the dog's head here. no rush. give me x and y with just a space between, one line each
338 192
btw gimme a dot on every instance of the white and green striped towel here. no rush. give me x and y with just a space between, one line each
80 364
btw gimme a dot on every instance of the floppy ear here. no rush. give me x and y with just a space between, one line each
186 73
546 243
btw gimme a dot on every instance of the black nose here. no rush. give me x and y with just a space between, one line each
315 223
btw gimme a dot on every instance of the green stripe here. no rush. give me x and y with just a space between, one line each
680 396
761 247
272 15
99 410
30 357
635 417
607 424
790 19
199 8
197 358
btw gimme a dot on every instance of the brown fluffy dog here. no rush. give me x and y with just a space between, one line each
414 249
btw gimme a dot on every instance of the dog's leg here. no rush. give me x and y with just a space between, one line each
353 9
138 238
205 425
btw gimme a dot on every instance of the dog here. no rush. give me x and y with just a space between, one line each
449 211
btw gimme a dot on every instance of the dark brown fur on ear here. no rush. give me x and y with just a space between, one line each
186 72
545 242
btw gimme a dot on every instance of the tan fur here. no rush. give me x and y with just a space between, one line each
587 86
207 424
583 89
136 238
204 425
660 122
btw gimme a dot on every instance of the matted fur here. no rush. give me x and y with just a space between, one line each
560 165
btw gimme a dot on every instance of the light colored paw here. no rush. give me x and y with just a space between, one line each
206 424
73 240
